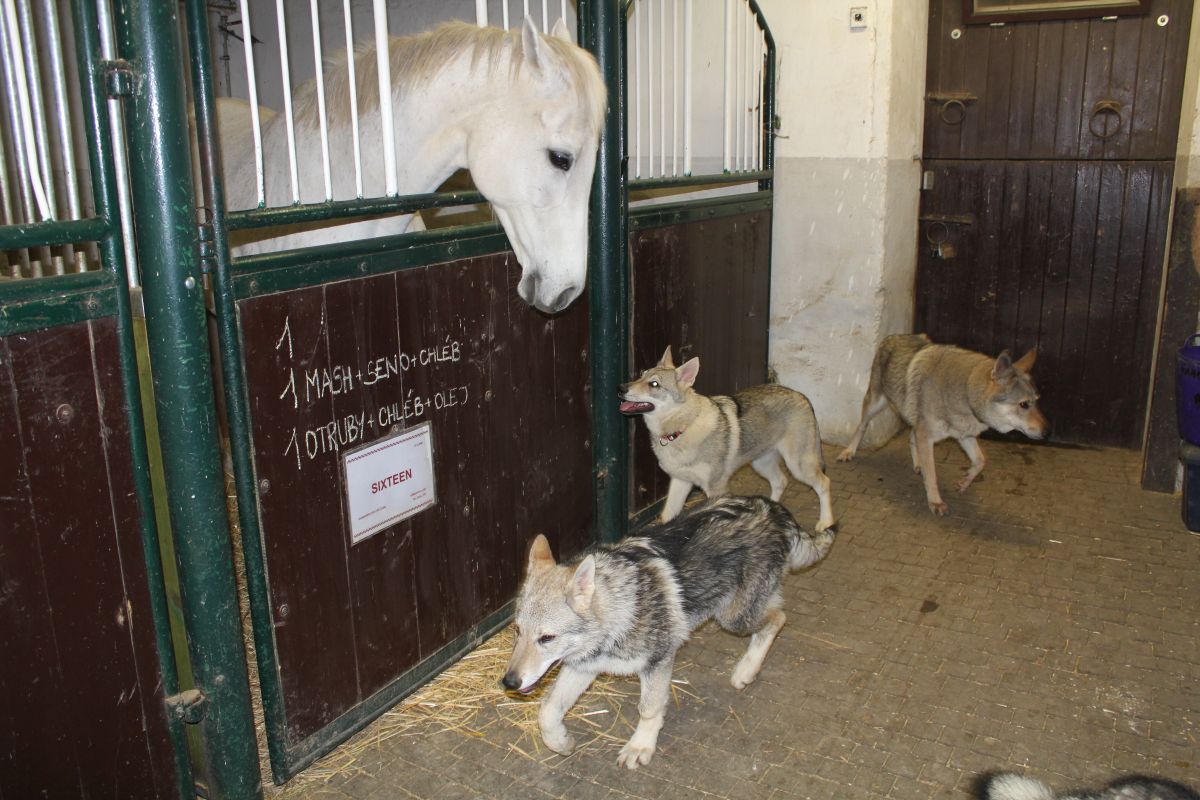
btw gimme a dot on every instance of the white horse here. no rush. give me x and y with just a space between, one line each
520 110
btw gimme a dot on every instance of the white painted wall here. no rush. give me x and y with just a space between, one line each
1187 164
847 192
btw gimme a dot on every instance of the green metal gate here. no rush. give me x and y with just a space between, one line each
387 634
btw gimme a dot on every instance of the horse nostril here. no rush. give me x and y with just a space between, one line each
564 299
528 287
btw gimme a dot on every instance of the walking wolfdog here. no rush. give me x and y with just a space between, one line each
701 441
627 609
947 392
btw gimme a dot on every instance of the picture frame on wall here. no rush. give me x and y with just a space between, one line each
990 11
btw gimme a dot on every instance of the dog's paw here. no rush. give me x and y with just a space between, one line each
965 483
939 508
742 677
633 755
562 743
846 455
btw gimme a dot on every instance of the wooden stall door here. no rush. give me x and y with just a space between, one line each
1049 150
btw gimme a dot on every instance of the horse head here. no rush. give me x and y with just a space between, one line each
534 158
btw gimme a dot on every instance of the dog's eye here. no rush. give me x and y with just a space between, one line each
654 384
546 638
560 160
1024 405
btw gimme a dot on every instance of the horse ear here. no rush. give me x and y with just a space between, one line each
560 31
686 375
666 361
531 43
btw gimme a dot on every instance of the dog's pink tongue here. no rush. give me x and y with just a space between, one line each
628 406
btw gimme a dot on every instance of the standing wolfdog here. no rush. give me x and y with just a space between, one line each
947 392
701 441
626 609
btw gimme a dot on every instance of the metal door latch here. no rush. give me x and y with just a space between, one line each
119 78
188 706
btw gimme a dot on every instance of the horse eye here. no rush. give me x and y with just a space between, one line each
546 638
560 160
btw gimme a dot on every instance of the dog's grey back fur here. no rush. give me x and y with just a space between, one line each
764 412
1010 786
725 558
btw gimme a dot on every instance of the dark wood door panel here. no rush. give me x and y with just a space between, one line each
1066 256
1039 88
704 289
506 390
82 713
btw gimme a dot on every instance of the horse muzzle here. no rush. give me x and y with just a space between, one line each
532 289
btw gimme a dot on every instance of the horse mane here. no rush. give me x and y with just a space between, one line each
417 59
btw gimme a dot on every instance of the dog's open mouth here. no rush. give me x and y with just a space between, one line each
636 407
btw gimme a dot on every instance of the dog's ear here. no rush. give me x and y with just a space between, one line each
540 557
1002 370
685 376
666 361
582 586
1025 362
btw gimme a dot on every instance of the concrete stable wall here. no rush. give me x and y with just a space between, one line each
847 185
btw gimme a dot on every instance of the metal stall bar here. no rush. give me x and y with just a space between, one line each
353 87
105 194
168 246
768 100
602 30
235 382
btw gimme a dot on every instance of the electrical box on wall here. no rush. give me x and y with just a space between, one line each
858 18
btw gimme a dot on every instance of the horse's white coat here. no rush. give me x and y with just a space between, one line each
497 107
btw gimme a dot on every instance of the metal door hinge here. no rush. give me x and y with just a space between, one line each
188 706
208 247
119 78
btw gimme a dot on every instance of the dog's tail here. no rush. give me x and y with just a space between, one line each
807 549
1010 786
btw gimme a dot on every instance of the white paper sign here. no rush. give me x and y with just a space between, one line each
389 480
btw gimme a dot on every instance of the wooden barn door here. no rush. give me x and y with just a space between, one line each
1049 149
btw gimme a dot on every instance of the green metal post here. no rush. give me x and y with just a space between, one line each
237 412
768 101
104 193
602 26
168 252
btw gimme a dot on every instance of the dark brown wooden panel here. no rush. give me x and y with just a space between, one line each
1036 85
505 390
83 713
1062 255
704 289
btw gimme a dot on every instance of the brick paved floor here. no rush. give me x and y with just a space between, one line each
1048 625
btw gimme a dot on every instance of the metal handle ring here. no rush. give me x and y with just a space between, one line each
1105 107
943 232
949 104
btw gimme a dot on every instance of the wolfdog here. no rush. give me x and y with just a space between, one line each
947 392
1007 786
701 441
626 609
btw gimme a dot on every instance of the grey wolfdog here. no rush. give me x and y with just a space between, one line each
701 441
947 392
1008 786
626 609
